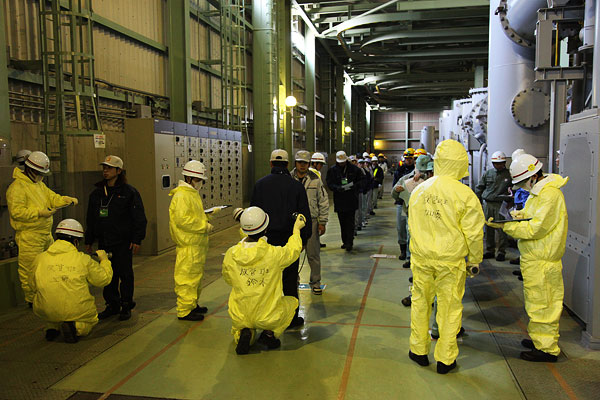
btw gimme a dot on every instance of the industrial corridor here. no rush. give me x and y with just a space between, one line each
354 344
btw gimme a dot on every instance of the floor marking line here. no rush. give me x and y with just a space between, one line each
557 376
31 332
158 354
561 381
350 354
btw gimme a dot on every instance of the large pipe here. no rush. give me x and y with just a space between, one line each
511 69
522 16
589 29
596 66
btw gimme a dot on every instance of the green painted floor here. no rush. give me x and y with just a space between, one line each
353 346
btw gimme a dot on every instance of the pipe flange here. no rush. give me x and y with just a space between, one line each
530 108
501 12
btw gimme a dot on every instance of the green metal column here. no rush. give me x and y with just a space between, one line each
339 108
265 77
309 93
4 108
180 69
284 57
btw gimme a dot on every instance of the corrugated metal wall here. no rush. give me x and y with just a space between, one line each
392 125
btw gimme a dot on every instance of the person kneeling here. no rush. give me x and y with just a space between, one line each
60 280
253 269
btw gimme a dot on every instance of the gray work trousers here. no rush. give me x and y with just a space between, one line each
492 209
364 207
358 217
369 201
313 254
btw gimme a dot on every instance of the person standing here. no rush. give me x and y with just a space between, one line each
31 205
343 179
60 278
189 229
317 161
378 176
408 165
446 221
318 202
116 220
21 157
542 241
280 196
492 189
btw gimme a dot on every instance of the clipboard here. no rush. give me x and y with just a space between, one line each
502 221
212 209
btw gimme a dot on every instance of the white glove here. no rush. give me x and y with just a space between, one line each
46 213
102 255
300 222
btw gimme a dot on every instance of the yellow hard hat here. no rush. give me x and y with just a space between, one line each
410 152
420 152
372 155
380 155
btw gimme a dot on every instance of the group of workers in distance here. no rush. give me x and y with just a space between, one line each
288 212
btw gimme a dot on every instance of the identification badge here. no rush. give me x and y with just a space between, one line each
103 212
344 181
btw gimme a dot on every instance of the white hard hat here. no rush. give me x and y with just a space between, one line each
318 157
366 155
352 158
279 155
22 155
70 227
254 220
194 169
113 161
524 167
374 159
341 156
517 153
39 162
361 160
303 155
237 213
498 157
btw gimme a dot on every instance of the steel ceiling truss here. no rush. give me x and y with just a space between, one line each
421 53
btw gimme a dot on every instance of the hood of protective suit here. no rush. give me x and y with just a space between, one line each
550 180
243 255
20 175
185 188
60 247
451 160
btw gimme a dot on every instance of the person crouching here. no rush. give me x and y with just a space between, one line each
59 280
253 269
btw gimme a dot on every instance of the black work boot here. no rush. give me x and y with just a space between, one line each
69 332
406 264
444 369
125 313
536 355
527 343
267 338
51 334
423 360
200 310
109 311
402 252
488 254
407 301
243 346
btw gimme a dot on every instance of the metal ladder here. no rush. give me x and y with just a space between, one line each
234 69
70 101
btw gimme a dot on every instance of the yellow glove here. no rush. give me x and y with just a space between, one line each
517 214
300 222
46 213
102 256
209 228
72 200
494 224
215 211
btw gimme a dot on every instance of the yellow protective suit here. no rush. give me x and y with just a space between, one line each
446 225
189 229
33 233
253 270
59 280
542 245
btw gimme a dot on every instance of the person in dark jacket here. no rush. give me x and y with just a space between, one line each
280 196
116 219
407 166
343 179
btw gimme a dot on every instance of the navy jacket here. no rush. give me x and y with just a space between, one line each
344 200
126 220
280 196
